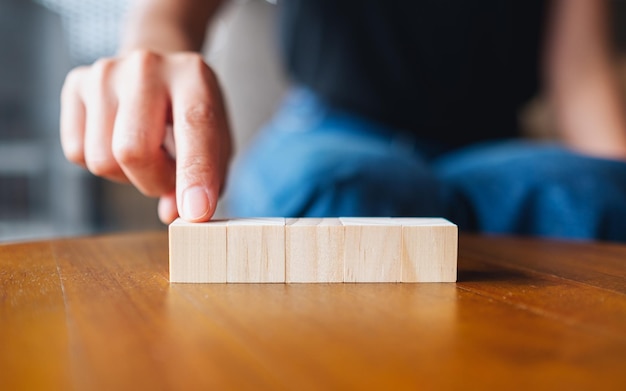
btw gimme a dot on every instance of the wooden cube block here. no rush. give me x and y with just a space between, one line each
256 250
372 250
197 251
314 250
429 250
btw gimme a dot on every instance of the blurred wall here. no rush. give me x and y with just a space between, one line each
40 194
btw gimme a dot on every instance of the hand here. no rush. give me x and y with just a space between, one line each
114 121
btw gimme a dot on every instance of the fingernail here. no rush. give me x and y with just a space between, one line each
195 203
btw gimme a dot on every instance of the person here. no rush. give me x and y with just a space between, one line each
397 109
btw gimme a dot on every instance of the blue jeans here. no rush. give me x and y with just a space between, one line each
313 160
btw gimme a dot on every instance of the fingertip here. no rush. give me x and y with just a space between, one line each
72 120
167 210
197 204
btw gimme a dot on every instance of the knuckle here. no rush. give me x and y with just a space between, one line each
102 166
74 76
199 115
143 60
72 82
152 190
131 154
74 154
140 75
142 165
196 165
190 58
195 63
103 66
101 73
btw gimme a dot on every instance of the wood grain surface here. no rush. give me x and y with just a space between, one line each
98 313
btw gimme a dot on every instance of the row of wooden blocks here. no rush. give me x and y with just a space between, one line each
309 250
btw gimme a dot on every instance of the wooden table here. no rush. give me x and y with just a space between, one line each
98 313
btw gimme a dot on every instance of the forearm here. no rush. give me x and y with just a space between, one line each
583 85
166 26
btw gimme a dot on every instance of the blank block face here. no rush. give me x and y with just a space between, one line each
310 250
256 250
314 250
197 251
429 250
372 250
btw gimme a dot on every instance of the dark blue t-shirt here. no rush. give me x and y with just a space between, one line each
455 71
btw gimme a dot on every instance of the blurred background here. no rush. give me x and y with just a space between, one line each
44 196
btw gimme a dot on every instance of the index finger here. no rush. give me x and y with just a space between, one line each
202 141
